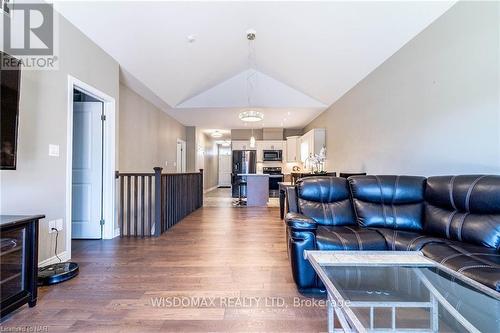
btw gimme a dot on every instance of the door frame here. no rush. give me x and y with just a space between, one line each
109 157
183 155
218 167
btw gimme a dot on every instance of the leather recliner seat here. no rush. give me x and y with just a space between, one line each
453 220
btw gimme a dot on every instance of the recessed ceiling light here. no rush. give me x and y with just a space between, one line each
191 38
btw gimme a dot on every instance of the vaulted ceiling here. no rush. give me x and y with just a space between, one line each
308 54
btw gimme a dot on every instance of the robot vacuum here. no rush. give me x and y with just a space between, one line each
57 273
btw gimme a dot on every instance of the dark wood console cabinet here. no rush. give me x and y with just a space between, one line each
18 261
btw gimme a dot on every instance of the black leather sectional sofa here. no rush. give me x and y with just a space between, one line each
454 220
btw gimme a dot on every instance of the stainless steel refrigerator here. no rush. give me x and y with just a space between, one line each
244 161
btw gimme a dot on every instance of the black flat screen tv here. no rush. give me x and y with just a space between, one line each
10 80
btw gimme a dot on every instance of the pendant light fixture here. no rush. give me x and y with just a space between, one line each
252 140
251 115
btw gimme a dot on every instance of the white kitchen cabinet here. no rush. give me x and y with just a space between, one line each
293 149
259 146
262 145
241 145
312 142
272 145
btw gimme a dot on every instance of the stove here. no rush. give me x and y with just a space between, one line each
275 176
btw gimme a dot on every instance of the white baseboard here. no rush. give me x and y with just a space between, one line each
210 189
53 260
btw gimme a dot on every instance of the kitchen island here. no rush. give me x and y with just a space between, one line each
257 189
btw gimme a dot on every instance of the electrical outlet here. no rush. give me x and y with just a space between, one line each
59 224
52 224
55 224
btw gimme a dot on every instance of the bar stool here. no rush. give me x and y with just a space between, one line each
241 202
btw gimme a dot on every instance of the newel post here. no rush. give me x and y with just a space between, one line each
158 202
200 203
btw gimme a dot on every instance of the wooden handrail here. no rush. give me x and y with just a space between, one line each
151 203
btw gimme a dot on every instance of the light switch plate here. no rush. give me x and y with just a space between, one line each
54 150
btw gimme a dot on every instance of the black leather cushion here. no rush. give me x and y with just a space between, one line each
478 265
464 208
394 202
487 254
398 240
297 221
348 238
326 200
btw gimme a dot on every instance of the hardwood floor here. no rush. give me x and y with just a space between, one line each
219 255
221 197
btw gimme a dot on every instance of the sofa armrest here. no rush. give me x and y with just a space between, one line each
300 222
291 199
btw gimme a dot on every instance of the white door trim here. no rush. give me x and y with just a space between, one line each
109 158
183 156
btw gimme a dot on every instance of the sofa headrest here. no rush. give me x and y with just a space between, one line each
323 189
389 189
476 194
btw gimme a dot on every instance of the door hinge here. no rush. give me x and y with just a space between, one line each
103 117
101 222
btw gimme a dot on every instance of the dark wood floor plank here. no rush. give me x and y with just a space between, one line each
220 253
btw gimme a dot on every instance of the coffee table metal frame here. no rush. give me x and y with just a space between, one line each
337 305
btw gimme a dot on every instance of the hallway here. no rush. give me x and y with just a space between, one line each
235 259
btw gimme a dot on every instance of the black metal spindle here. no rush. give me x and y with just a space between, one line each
128 206
121 218
142 205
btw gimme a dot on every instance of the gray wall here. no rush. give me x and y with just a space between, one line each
38 185
148 136
191 149
211 172
245 134
432 108
207 158
293 132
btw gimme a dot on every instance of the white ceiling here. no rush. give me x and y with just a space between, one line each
232 93
310 53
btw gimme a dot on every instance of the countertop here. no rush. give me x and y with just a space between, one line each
254 174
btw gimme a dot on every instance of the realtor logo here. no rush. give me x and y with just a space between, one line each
28 33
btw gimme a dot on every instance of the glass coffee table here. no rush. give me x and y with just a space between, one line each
382 291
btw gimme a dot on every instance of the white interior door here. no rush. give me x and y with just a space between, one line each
86 206
225 164
181 155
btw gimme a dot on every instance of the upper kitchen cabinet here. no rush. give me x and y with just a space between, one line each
312 142
241 145
293 149
269 145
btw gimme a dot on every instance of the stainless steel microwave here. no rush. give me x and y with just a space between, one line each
272 155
